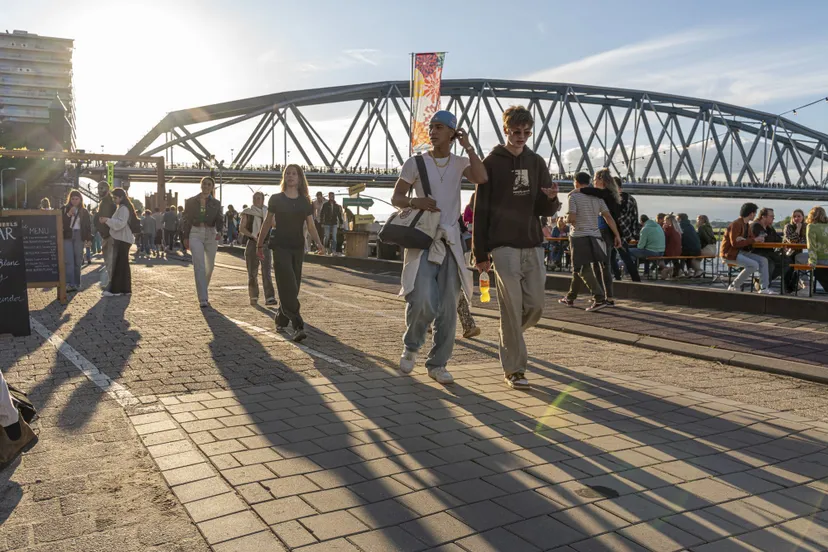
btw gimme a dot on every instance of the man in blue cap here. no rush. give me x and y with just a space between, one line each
431 282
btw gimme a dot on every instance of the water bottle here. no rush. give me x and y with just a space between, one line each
484 288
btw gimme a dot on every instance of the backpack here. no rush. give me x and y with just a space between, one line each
134 223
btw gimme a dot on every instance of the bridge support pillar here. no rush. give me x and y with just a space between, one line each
162 185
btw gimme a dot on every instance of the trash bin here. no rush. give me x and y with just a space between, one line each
356 244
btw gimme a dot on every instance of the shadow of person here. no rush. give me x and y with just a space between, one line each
105 338
11 493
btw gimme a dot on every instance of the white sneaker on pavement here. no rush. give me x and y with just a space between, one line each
767 291
732 288
441 375
407 361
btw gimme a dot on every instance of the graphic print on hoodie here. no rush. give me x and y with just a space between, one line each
507 208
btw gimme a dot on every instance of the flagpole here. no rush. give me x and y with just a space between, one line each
411 108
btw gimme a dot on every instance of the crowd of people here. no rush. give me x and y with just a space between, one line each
512 224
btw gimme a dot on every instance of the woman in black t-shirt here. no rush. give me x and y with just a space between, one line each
287 214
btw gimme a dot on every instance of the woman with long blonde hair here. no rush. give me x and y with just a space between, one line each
77 229
287 214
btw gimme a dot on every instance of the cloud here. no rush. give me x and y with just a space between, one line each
364 55
346 59
706 63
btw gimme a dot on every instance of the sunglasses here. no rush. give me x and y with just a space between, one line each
519 132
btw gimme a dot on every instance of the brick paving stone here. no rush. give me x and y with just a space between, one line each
203 488
337 477
437 529
704 525
391 539
338 545
429 501
609 541
634 508
590 520
187 474
379 489
179 460
247 474
260 541
473 490
293 534
545 532
383 514
332 525
483 516
333 499
215 506
293 466
283 509
256 456
660 536
230 527
495 541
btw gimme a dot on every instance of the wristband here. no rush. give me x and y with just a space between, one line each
469 149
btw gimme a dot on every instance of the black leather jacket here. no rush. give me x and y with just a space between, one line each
213 215
85 224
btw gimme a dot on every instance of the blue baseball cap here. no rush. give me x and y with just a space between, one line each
446 118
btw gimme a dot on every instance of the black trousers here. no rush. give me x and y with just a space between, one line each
287 268
121 280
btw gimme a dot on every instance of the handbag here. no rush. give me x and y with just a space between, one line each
412 228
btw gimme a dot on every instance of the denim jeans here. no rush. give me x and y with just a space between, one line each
147 243
73 258
96 243
330 232
434 299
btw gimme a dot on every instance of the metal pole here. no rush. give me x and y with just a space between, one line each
2 189
273 143
285 134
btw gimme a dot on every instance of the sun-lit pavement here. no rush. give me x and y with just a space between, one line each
268 445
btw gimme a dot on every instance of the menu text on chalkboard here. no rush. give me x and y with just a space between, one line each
40 242
14 297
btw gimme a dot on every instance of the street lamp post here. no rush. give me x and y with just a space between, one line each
2 191
25 192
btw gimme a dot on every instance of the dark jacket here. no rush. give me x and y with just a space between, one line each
608 197
690 243
106 208
507 209
331 215
706 235
85 224
213 215
170 220
628 225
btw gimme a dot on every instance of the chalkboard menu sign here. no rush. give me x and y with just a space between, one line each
14 297
42 233
41 247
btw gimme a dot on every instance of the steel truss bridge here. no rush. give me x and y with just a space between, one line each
659 143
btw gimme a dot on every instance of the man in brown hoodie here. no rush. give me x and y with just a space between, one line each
737 239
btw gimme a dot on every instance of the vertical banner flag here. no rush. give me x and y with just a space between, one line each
426 77
110 174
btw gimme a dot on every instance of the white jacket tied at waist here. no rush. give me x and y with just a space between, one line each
411 260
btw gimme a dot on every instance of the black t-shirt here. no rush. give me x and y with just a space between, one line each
288 219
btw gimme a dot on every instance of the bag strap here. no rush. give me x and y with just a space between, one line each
421 168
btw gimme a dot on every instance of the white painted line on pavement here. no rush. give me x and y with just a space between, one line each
164 293
113 389
304 348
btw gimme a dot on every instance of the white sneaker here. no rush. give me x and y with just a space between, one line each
732 288
441 375
767 291
407 361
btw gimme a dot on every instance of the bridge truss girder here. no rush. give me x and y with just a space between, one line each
637 134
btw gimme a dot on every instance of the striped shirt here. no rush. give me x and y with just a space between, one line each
586 209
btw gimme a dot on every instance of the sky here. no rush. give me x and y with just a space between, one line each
136 61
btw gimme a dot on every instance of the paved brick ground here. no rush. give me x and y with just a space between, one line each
325 447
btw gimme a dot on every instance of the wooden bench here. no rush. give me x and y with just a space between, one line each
810 270
703 258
